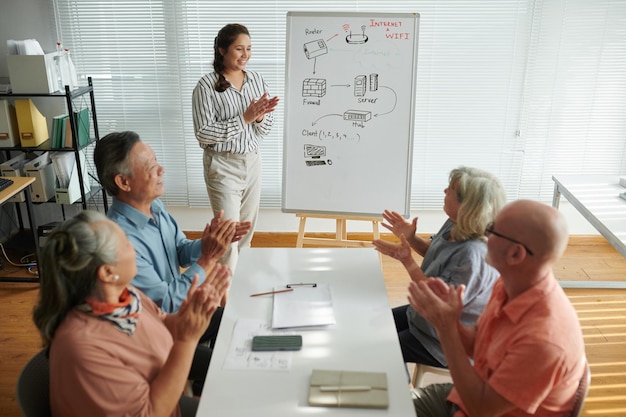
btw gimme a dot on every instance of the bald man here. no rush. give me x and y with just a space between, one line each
527 347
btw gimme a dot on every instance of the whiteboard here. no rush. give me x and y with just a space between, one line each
350 87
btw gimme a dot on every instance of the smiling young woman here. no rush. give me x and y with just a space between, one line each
232 112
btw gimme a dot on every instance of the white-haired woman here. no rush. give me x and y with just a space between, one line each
456 254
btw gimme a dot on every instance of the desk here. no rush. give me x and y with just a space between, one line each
597 199
364 338
19 184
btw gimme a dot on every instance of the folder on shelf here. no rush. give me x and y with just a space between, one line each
81 123
66 169
81 120
31 123
67 133
41 169
9 133
57 134
348 389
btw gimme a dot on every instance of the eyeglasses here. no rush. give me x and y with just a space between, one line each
489 231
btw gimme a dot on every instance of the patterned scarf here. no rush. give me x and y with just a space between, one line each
123 314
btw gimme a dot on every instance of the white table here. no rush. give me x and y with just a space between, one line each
597 198
364 338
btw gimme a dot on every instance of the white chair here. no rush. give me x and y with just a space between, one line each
421 369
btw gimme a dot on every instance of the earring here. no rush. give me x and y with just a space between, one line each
116 277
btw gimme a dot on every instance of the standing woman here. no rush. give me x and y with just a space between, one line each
112 351
232 111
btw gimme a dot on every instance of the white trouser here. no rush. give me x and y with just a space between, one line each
234 185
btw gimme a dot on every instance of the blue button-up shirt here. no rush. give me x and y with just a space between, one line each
162 250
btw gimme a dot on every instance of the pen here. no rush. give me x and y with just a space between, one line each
271 292
332 388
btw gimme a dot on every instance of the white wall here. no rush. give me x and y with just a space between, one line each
273 220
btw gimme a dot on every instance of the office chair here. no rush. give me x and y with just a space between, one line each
583 390
33 387
421 369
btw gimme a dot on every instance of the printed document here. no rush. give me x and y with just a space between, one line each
307 305
241 356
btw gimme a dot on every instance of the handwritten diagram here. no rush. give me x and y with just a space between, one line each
371 99
241 356
349 110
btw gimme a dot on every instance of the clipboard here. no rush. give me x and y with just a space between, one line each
307 305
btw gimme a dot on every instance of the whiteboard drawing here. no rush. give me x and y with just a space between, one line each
360 85
357 38
374 82
315 49
350 85
313 87
362 115
313 155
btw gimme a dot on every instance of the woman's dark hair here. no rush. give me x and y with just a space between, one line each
225 37
70 260
111 158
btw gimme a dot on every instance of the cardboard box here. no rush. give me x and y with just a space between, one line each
33 74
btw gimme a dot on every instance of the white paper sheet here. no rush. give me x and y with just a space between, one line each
305 306
241 356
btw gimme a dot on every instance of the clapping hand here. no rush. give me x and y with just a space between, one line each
400 251
241 228
217 236
259 108
437 302
196 311
398 225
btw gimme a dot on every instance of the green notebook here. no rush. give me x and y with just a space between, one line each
348 389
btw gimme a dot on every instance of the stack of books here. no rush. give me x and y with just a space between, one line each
61 135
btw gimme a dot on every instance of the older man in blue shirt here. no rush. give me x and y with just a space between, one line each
129 171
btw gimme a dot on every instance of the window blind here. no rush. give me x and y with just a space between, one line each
575 94
487 72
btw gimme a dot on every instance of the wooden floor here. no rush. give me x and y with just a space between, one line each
602 314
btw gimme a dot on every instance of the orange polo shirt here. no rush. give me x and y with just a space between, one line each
529 349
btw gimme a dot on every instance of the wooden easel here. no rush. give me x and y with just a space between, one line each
341 233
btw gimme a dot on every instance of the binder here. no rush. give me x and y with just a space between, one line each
57 134
348 389
40 168
67 135
31 123
9 133
81 119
